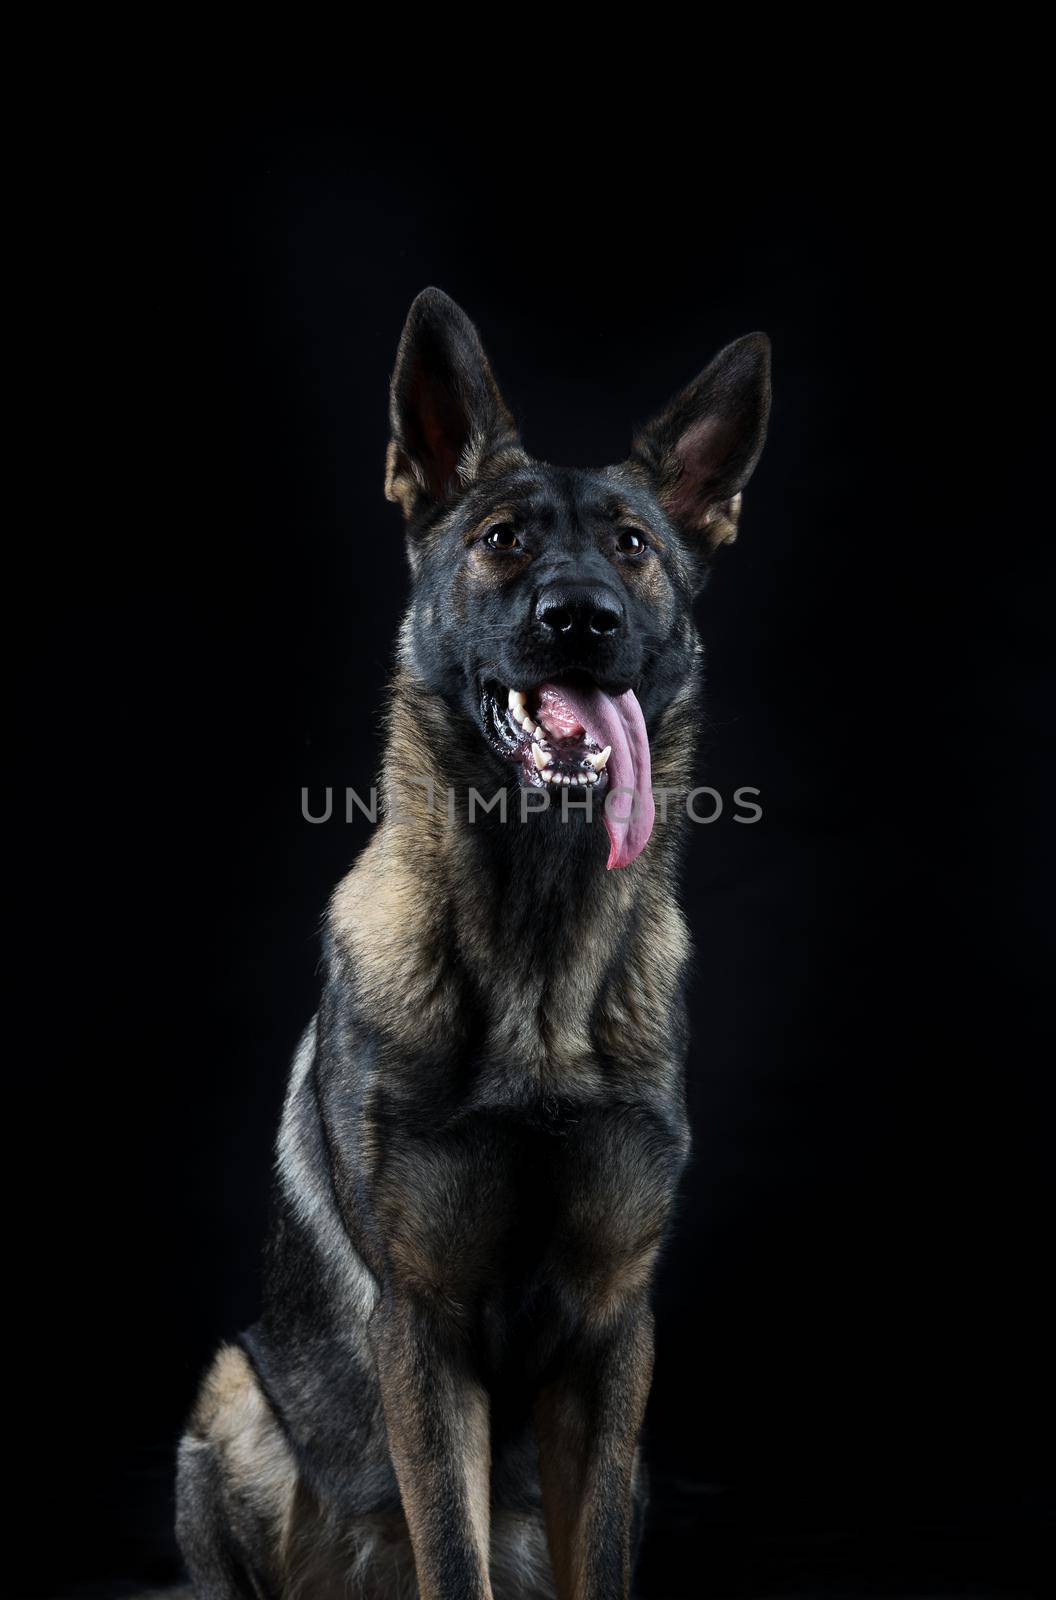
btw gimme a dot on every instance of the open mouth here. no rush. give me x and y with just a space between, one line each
575 736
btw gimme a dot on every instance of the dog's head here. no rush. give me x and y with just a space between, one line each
552 607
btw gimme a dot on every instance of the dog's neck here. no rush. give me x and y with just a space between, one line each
456 919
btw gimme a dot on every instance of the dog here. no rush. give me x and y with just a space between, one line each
485 1124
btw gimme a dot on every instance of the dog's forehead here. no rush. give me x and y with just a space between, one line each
552 496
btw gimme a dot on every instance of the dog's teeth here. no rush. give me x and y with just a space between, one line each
528 725
518 703
592 777
540 757
599 762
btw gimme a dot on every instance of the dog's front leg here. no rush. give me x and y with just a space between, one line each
436 1413
588 1418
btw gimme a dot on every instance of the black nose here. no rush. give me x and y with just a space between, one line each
568 610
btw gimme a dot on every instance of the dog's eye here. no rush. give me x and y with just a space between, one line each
502 537
630 543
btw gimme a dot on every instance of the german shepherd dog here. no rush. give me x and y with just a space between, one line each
485 1123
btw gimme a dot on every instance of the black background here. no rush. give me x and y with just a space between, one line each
854 1326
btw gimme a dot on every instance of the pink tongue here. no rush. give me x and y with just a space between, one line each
615 720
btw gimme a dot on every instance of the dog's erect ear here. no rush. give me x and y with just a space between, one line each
449 423
701 451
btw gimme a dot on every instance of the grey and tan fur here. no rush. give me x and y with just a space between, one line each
485 1126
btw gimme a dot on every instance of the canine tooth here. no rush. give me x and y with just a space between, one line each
540 757
518 703
598 762
528 725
